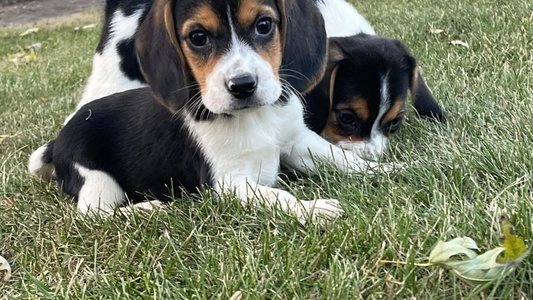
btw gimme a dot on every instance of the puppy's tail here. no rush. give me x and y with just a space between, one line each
41 164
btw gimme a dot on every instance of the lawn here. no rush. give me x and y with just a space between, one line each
460 177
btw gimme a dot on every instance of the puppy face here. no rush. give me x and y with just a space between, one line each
224 56
369 82
233 51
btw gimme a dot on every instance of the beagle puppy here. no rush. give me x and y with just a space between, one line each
366 83
221 111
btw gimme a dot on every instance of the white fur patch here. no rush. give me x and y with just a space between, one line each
107 78
99 193
342 19
38 168
244 152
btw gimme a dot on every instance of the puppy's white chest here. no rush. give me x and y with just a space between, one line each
246 145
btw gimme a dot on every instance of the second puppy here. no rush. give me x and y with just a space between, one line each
367 82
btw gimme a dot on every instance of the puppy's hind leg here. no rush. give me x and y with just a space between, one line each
99 191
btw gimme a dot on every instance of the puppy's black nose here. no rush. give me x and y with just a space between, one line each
242 87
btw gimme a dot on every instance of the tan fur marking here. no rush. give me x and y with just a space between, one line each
200 66
249 10
313 82
332 80
168 19
333 134
335 54
272 53
204 16
396 109
283 21
359 105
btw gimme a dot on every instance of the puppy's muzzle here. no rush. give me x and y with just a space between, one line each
242 87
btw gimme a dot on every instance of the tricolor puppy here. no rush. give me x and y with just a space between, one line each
366 82
227 117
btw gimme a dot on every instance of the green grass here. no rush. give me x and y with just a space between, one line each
461 176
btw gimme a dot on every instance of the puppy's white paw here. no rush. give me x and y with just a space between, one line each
147 205
321 211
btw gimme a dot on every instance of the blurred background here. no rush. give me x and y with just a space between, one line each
13 12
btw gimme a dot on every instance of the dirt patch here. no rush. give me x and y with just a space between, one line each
16 12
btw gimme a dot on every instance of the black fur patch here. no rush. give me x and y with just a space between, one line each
128 62
138 142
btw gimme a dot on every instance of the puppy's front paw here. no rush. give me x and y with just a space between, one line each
321 211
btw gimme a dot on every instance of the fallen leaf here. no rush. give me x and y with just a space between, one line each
438 31
236 296
482 268
459 43
90 26
35 46
444 251
86 27
478 269
5 269
23 55
30 31
459 257
514 246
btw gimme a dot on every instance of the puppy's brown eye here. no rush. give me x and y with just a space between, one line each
198 38
263 26
347 118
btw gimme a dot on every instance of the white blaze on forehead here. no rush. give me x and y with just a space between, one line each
234 39
384 103
378 141
374 147
239 54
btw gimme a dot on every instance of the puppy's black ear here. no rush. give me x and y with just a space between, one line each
319 101
425 104
421 97
303 35
160 56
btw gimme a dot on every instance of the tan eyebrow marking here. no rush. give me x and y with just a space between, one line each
204 16
359 105
250 9
397 108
